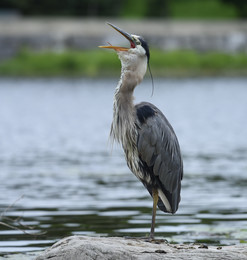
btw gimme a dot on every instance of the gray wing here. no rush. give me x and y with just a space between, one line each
159 151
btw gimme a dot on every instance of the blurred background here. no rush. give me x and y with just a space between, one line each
210 31
58 174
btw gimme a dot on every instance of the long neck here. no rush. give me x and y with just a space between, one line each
123 124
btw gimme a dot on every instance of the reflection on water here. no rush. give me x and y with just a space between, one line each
55 153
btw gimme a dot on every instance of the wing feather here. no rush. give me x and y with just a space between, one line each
159 149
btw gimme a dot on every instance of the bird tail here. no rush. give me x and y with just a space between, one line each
167 202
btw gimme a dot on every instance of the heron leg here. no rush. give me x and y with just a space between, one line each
155 201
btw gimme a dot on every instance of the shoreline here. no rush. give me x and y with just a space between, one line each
100 63
83 34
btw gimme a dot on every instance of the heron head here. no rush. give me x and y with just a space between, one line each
136 42
134 58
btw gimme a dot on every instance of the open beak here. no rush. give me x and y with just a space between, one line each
126 35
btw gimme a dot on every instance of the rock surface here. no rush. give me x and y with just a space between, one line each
89 248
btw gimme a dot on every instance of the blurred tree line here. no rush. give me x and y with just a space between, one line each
128 8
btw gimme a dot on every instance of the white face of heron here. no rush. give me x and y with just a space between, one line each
135 60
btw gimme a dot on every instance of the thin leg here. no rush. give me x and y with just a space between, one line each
155 201
151 236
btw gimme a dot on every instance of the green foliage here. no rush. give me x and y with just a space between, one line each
105 63
194 63
194 9
178 9
137 8
239 5
145 8
63 8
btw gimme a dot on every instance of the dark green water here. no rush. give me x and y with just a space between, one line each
60 176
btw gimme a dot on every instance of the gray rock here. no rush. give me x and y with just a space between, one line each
89 248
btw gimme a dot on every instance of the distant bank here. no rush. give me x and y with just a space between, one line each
69 47
102 63
80 34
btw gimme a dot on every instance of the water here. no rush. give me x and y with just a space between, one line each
58 174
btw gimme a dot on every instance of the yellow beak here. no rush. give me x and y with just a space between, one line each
126 35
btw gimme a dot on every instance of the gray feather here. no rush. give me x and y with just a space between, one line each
158 147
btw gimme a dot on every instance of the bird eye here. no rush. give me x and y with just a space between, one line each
136 40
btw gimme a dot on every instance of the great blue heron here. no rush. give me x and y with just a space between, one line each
150 144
